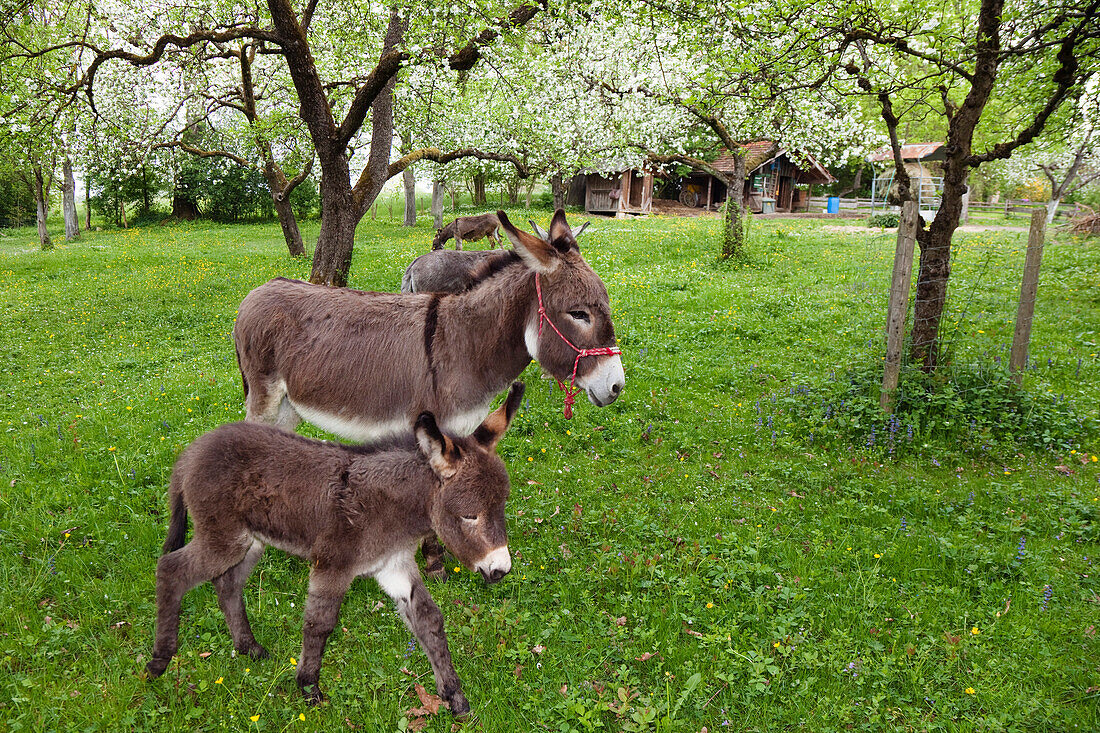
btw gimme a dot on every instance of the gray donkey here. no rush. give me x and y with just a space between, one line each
469 229
349 510
453 271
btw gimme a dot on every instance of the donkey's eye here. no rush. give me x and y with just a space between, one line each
579 316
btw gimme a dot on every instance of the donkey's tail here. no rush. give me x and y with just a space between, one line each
244 379
177 523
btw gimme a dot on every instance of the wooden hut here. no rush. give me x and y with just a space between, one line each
628 192
772 183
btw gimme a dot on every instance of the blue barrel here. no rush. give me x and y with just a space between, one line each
833 205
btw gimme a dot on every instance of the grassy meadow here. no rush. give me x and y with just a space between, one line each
735 544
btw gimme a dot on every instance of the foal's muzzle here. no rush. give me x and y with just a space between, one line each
495 565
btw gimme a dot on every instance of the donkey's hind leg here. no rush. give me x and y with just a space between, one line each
178 572
230 588
264 400
432 549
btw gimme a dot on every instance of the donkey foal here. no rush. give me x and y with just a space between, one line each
350 510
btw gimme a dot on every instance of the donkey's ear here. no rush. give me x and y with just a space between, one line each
490 432
436 447
535 252
562 237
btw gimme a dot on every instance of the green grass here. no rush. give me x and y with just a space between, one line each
678 562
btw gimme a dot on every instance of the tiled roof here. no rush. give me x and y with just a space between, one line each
916 151
759 152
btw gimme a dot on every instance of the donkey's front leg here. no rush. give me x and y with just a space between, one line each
432 549
403 584
326 592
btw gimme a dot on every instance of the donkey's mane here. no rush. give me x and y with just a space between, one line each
491 265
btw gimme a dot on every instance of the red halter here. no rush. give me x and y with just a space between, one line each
572 390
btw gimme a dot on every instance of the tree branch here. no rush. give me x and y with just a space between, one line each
434 154
162 44
201 153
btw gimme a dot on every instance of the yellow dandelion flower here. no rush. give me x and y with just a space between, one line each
218 681
974 631
969 690
710 605
254 718
301 716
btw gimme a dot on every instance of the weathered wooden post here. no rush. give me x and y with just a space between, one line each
899 302
1029 287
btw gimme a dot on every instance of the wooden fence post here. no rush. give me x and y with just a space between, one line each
1029 287
899 302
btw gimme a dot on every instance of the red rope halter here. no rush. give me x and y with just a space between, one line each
572 390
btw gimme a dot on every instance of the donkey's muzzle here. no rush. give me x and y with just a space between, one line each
604 383
495 565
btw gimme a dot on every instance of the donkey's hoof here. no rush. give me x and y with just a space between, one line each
437 573
460 707
256 651
313 696
155 668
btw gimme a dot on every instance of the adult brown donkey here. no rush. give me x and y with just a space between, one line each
364 365
350 511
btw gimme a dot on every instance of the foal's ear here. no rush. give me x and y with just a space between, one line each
538 254
562 237
437 447
492 430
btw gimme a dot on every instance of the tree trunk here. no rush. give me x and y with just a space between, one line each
68 201
184 208
530 188
339 217
733 230
122 210
1052 209
935 268
479 189
42 207
409 179
87 201
289 224
557 187
437 203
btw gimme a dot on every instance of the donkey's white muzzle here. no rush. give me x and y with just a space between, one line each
495 565
604 383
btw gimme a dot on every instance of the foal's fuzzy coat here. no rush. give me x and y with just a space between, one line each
350 511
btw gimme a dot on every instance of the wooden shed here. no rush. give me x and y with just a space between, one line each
628 192
772 183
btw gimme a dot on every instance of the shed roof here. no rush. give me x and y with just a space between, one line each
760 152
915 151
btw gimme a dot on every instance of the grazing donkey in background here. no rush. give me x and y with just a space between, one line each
349 510
469 229
451 271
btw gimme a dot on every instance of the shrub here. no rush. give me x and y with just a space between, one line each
883 220
977 407
16 203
